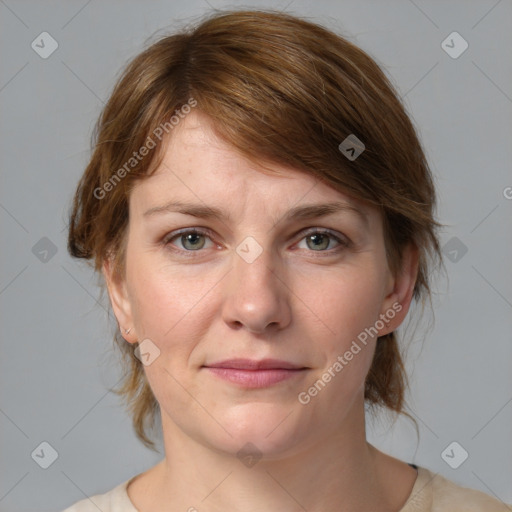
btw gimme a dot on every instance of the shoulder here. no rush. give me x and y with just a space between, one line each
432 492
447 495
115 500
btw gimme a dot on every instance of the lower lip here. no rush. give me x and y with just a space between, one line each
255 378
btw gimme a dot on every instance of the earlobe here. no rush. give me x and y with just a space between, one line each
116 287
397 302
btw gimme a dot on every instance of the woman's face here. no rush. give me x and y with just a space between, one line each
266 277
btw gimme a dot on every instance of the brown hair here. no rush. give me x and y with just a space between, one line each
280 89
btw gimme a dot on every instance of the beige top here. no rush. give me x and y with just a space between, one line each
431 493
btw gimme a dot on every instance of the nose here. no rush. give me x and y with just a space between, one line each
256 295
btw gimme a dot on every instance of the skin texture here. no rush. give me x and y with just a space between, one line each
294 302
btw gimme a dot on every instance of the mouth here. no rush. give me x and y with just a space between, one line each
250 373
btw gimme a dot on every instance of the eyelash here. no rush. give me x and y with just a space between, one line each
344 243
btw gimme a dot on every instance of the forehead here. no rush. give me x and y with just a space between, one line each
195 151
199 166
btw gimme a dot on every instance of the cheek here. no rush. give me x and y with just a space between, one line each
170 305
345 303
165 309
348 303
349 306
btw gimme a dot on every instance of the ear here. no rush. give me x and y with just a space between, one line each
119 299
400 291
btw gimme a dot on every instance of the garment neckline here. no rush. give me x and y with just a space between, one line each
416 498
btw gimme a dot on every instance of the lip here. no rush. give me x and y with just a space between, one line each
250 373
252 364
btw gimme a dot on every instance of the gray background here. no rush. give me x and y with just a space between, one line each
56 352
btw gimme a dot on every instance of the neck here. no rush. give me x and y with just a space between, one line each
340 471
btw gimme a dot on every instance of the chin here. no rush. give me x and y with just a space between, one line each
268 429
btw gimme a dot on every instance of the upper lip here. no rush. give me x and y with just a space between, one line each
252 364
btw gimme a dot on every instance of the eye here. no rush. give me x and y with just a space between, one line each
191 239
320 239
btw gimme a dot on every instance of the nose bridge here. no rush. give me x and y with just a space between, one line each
255 262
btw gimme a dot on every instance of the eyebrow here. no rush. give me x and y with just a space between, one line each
303 212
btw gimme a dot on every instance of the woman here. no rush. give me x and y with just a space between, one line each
261 209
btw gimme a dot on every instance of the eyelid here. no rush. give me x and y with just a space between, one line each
173 234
